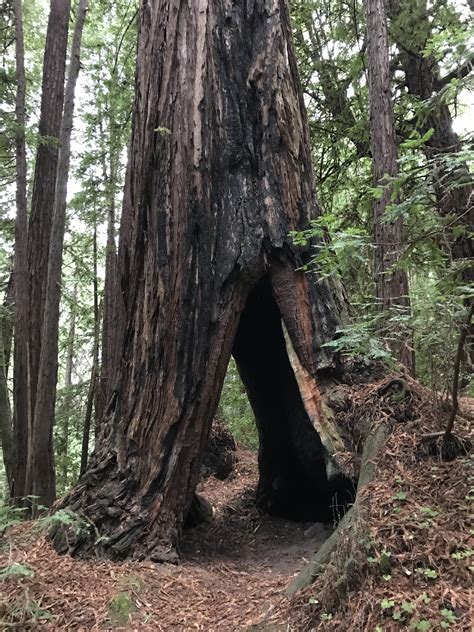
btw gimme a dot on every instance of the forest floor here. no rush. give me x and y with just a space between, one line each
232 574
413 571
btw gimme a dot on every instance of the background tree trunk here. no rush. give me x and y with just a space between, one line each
6 431
20 363
68 399
40 475
391 282
41 463
220 173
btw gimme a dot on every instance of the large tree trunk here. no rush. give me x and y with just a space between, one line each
391 282
220 174
41 464
20 364
40 476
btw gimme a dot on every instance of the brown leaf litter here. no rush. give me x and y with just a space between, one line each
412 565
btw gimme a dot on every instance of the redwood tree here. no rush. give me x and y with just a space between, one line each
41 457
390 281
220 174
20 364
39 472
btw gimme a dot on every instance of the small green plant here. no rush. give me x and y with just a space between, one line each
15 570
65 517
120 609
429 512
427 572
401 496
384 562
462 554
22 612
326 616
448 617
422 625
10 516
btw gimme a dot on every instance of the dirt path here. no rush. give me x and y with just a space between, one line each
232 574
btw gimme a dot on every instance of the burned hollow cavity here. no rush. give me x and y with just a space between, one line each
293 463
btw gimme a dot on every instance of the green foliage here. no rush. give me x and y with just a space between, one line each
15 570
235 410
121 607
10 516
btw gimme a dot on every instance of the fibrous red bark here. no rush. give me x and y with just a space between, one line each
220 174
20 365
391 281
40 474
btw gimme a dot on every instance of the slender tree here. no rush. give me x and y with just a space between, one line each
41 457
6 331
391 282
20 364
68 371
220 174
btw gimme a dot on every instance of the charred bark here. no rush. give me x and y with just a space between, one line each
220 173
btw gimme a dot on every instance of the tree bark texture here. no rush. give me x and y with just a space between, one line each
67 403
6 430
220 173
391 282
20 364
41 458
39 233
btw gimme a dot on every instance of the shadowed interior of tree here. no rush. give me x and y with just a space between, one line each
293 462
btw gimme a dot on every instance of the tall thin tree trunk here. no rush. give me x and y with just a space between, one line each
93 385
41 465
67 386
220 174
20 364
391 282
6 431
108 321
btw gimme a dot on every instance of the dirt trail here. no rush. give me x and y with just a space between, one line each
232 574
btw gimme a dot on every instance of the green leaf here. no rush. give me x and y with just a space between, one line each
423 625
400 496
15 570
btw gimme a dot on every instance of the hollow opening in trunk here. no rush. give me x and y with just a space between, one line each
293 463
